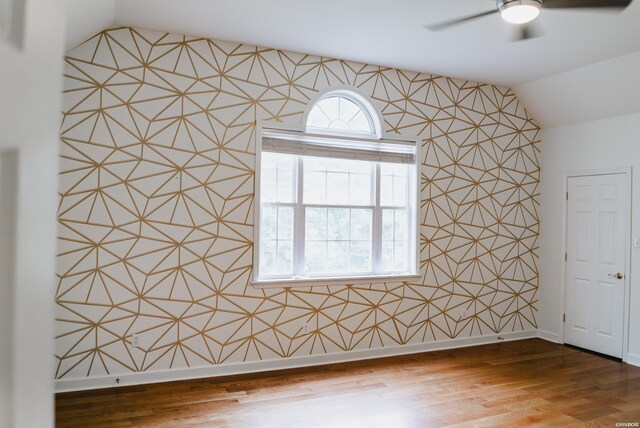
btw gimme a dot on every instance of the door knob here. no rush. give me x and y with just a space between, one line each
616 276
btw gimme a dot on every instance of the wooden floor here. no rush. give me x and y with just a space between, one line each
530 382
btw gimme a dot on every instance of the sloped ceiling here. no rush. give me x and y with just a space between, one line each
391 33
597 91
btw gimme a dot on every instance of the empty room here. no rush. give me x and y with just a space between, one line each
319 213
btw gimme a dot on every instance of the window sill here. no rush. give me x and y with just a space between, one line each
343 281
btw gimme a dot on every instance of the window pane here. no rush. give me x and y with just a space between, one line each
315 253
316 224
338 224
315 187
338 256
360 257
285 223
277 178
360 189
276 241
399 260
269 223
338 240
399 190
276 257
387 255
394 233
337 182
268 251
285 256
400 224
393 184
315 180
318 119
361 224
349 110
387 225
360 121
268 178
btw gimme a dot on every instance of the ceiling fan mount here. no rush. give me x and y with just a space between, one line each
522 12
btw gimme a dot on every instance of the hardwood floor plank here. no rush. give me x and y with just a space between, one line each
524 383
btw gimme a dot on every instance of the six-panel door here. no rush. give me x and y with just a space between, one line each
596 257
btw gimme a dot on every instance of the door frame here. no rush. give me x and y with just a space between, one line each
628 173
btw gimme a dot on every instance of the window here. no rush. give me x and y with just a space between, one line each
336 201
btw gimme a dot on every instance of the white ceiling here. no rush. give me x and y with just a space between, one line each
597 91
391 33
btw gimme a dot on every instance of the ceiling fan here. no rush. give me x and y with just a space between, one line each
522 12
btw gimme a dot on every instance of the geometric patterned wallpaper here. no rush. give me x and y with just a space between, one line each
156 208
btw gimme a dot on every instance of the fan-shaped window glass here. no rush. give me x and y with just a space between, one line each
341 114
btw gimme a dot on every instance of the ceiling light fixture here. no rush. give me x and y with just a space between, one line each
519 11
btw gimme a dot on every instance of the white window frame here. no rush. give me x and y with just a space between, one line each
346 279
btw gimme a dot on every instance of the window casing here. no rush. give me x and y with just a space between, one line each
336 204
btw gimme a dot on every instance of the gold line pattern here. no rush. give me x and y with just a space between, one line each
156 208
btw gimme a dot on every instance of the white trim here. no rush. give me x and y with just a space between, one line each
343 281
256 200
299 219
376 229
628 172
80 384
632 359
416 208
549 336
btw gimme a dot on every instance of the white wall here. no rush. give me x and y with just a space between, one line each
598 91
85 18
30 86
607 143
7 245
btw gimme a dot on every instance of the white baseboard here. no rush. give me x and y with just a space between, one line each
633 359
630 358
137 378
549 336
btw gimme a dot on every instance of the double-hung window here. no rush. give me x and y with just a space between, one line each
336 202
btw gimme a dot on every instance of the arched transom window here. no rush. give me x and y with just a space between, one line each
339 112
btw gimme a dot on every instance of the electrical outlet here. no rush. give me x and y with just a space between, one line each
136 340
305 327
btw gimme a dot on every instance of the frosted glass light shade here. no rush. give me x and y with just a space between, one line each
520 11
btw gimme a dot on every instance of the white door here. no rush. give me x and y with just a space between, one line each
597 223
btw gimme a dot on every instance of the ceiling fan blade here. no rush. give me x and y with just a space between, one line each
447 24
527 31
593 4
